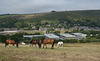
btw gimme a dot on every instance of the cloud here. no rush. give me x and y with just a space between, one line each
36 6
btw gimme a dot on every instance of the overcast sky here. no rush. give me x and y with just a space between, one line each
37 6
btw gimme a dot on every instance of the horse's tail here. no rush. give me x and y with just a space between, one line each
30 44
5 43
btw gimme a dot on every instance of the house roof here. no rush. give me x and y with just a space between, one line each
51 36
66 35
30 36
79 34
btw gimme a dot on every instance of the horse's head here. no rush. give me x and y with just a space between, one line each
31 41
40 43
17 44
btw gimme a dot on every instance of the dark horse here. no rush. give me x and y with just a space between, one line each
11 42
35 42
48 41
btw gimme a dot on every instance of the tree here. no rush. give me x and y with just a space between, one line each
37 28
46 23
53 11
56 32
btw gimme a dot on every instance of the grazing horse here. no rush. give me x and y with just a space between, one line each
60 44
11 42
35 42
48 41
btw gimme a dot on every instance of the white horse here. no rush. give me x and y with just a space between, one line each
60 44
22 43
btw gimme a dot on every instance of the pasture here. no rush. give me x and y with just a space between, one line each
70 52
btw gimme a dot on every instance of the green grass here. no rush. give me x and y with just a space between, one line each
70 52
4 16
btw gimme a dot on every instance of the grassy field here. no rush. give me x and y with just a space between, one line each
70 52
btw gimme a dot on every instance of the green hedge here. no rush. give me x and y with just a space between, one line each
19 37
78 41
68 41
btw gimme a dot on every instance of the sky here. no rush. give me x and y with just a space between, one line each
40 6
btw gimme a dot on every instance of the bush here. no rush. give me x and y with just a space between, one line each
3 38
27 41
68 41
82 41
78 41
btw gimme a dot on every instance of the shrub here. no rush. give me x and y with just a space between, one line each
3 38
68 41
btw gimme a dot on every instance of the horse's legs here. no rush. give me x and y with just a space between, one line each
13 44
30 45
58 45
17 45
62 45
46 46
5 44
43 45
35 45
52 45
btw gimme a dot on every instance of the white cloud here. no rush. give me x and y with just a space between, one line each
35 6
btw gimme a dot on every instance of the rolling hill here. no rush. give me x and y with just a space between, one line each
90 18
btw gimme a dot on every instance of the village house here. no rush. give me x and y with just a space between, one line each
67 36
42 29
80 35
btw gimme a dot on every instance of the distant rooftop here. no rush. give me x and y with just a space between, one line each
51 36
67 35
79 34
30 36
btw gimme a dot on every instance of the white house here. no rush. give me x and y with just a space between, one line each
67 36
80 35
31 36
43 29
7 32
52 36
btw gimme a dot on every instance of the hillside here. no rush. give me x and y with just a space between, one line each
90 18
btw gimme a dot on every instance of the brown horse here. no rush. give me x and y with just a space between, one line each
35 42
48 41
11 42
